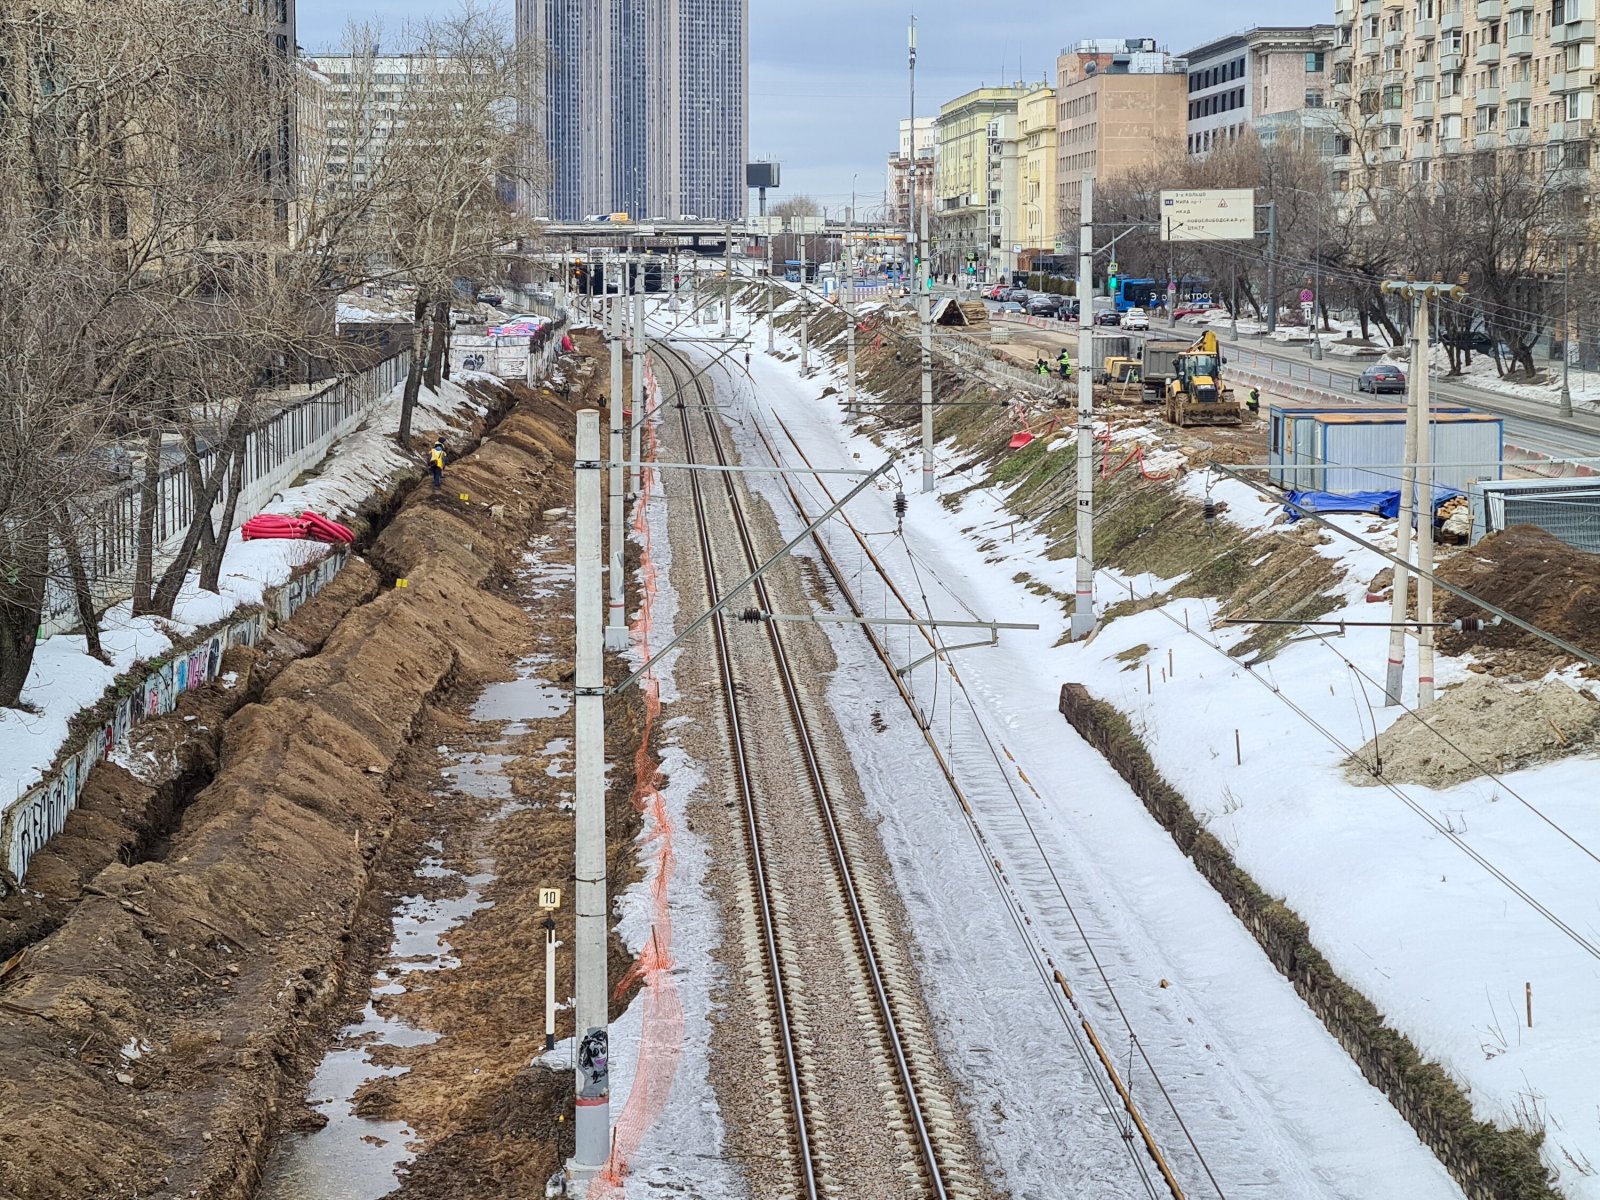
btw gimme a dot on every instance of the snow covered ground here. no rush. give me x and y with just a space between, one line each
1442 941
1274 1105
65 680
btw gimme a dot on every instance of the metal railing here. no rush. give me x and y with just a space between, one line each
282 444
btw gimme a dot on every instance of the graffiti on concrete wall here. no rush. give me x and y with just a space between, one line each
41 814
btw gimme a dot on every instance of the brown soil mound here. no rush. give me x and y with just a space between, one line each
1533 575
1501 726
145 1040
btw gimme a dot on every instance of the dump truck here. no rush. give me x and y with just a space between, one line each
1155 364
1195 393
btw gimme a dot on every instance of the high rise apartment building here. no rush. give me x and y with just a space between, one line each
1418 82
644 105
1271 81
1119 105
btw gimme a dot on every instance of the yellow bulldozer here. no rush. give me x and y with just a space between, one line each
1195 393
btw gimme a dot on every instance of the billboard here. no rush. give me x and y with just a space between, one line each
1211 215
761 175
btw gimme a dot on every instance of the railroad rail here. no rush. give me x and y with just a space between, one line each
808 1112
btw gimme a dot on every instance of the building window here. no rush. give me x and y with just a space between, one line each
1316 62
1313 99
1518 114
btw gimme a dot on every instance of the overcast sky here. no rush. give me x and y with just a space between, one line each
828 81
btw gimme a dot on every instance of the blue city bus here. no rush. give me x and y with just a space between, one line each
1138 293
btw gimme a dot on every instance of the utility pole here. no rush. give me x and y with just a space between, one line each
1565 409
805 314
1416 502
592 1082
635 425
849 300
616 638
727 283
1272 266
924 311
911 168
1083 621
772 304
1316 285
1424 422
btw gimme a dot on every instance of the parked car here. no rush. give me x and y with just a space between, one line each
997 292
1008 306
1043 304
1135 318
1191 310
1107 317
1477 341
1017 295
1068 311
1381 378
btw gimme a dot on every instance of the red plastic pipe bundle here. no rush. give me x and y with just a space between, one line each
308 526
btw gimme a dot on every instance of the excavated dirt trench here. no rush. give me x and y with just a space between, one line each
152 1038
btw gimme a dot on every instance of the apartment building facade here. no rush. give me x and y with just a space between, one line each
898 191
1419 82
974 219
1120 104
1036 187
644 105
1272 81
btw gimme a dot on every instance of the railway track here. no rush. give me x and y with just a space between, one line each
901 1062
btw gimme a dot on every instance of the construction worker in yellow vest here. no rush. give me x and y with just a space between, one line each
436 458
1065 363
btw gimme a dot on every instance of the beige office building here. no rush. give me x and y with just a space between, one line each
1036 185
1119 105
975 191
1420 81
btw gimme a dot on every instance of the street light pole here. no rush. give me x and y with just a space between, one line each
1566 328
1083 604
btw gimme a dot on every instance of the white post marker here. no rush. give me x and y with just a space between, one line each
592 1082
1083 620
616 615
849 300
549 900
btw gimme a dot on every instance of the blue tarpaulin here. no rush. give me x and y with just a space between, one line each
1383 504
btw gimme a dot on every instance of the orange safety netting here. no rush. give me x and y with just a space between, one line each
661 1037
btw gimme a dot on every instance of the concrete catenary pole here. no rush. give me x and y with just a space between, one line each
616 616
636 425
1395 675
1423 418
592 1117
848 266
805 313
727 280
1083 620
925 312
772 301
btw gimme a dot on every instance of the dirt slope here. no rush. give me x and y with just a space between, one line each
145 1040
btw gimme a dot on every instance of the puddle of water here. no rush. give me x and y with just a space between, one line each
521 700
482 775
352 1157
